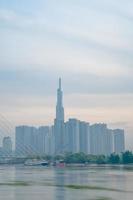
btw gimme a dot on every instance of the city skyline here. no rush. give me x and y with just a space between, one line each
63 136
60 117
87 43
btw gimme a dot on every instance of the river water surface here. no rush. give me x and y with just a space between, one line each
90 183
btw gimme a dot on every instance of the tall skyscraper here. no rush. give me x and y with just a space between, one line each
59 122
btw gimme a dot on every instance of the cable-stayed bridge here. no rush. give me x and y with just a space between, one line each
7 144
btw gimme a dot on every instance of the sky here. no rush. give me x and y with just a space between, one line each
89 43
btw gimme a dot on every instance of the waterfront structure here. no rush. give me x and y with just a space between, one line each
71 136
119 141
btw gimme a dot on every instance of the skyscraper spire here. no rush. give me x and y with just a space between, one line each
60 83
59 106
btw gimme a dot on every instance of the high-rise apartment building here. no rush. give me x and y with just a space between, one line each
84 137
43 133
26 141
119 141
7 146
109 143
98 136
72 136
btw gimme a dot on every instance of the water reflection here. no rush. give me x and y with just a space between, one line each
24 183
60 181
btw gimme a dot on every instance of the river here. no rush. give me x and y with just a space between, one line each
90 183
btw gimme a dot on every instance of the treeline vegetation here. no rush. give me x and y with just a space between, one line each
123 158
69 158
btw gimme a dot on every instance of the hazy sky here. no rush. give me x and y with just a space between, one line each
89 43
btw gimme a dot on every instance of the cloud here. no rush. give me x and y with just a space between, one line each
23 50
7 15
87 38
35 82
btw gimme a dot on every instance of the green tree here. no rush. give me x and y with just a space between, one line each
127 157
114 159
75 158
101 159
